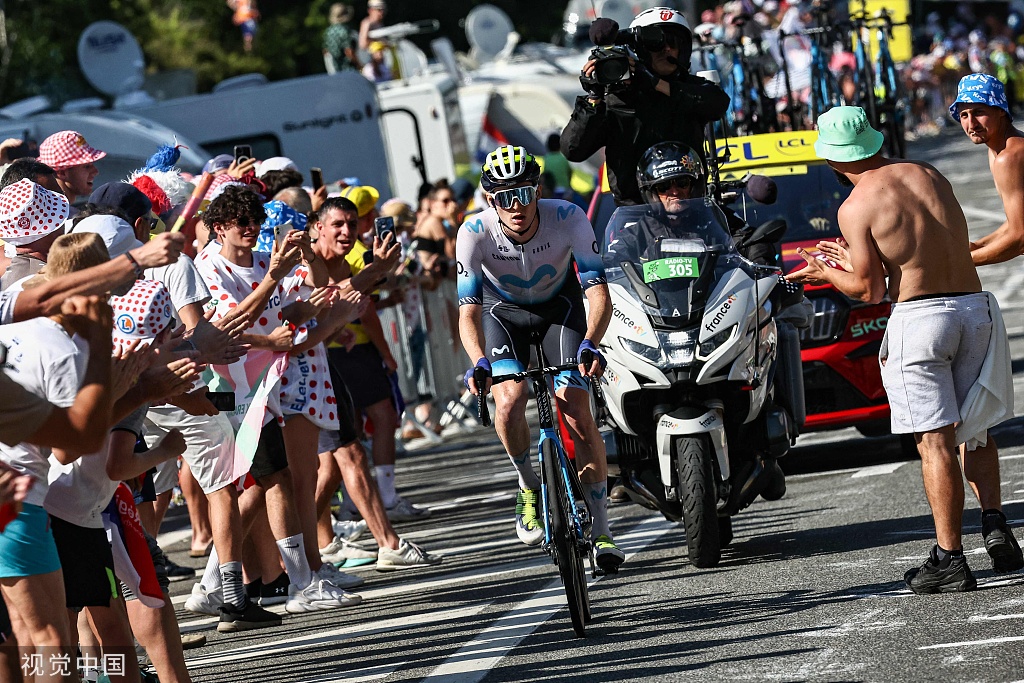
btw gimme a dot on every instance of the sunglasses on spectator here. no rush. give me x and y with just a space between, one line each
683 183
244 222
524 195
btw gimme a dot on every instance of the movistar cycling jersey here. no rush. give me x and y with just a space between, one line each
532 272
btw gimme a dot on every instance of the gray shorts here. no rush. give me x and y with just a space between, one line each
931 355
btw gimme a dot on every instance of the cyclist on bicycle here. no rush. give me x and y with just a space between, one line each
516 280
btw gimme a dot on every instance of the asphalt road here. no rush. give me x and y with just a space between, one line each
811 588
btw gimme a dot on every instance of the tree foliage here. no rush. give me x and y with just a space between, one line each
42 37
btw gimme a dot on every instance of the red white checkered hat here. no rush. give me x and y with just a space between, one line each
66 149
29 212
143 313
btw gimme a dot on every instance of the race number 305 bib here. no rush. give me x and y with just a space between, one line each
670 268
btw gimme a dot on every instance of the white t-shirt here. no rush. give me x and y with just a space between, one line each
81 491
183 282
49 362
7 302
229 285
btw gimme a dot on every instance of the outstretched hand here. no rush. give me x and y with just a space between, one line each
838 252
816 272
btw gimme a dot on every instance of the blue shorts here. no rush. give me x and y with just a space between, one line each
26 545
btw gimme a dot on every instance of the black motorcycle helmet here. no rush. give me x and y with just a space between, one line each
667 161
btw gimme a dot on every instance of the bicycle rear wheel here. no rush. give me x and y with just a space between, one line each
563 539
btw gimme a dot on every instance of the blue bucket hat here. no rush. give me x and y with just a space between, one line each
980 89
278 213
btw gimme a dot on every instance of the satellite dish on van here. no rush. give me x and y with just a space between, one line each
487 29
619 11
111 58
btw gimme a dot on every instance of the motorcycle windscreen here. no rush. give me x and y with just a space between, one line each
669 259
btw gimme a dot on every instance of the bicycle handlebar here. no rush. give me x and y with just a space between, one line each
480 377
587 357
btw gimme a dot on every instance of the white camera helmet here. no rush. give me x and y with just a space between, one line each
650 28
656 16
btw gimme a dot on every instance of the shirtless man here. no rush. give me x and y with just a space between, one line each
983 113
902 220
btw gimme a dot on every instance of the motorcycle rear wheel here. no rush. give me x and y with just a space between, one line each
698 494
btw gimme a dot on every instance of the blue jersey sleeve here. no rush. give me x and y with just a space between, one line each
468 264
585 249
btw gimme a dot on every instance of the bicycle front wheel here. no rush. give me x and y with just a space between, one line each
563 539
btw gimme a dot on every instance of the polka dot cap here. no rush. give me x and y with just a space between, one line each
29 212
66 149
143 313
220 182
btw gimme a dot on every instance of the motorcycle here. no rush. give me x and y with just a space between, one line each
698 403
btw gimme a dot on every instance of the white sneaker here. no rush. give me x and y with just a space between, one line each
408 556
341 552
203 602
350 530
319 595
328 572
404 511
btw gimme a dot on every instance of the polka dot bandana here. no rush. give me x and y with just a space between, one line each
143 313
29 212
66 149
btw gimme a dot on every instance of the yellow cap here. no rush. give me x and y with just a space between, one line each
363 196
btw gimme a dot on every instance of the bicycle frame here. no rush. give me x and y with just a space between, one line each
548 432
579 519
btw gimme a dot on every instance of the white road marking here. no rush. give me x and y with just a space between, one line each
875 470
814 475
447 530
171 537
475 659
327 638
983 214
465 501
995 617
971 643
372 673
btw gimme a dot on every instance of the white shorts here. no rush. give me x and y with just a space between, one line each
166 477
210 443
931 355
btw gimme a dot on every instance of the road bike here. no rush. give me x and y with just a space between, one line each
877 82
891 101
567 519
825 92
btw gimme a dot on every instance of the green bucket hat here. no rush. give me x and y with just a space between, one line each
845 135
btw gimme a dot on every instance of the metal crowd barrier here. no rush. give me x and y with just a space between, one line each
444 359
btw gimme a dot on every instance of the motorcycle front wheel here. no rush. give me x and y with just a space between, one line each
698 494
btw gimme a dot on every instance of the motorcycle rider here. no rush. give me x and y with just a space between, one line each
660 101
515 279
669 173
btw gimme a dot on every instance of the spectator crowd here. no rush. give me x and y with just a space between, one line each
946 46
217 334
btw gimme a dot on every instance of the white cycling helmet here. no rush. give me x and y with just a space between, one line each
507 166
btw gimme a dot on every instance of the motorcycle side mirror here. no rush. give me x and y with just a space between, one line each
646 294
771 231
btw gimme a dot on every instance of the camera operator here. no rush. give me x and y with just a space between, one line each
655 100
